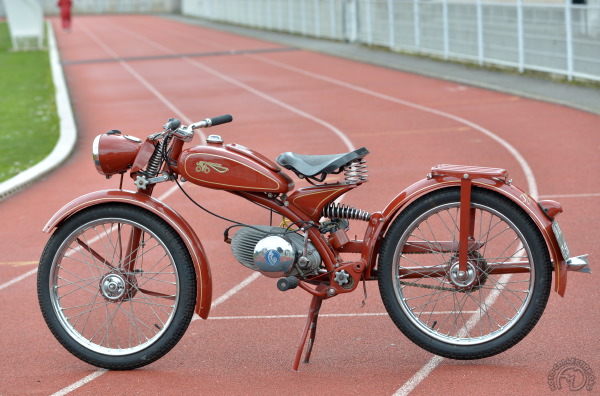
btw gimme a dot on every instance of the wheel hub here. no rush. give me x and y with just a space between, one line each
117 287
113 287
463 279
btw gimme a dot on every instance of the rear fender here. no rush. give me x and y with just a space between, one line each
185 231
381 221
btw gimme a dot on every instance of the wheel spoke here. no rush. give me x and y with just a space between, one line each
93 252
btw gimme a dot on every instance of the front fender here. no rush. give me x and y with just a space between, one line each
182 227
515 194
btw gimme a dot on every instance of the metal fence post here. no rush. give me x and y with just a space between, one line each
304 18
392 34
332 18
480 54
369 22
279 14
317 17
521 36
446 29
417 26
569 39
290 27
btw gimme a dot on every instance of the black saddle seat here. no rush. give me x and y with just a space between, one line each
313 165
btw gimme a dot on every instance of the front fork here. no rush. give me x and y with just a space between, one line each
132 250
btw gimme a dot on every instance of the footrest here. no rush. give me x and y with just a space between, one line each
579 264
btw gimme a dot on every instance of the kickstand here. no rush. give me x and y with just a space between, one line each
311 324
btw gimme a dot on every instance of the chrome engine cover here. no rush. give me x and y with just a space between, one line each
273 251
274 256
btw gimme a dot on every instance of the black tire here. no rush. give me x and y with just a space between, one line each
473 315
106 314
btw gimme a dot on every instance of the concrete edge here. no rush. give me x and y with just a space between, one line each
68 131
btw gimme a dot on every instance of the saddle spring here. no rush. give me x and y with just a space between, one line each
356 172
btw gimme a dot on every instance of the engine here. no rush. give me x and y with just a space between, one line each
274 251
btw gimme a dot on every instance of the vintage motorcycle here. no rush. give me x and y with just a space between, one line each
463 258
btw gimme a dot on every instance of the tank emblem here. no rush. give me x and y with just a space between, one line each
203 166
272 257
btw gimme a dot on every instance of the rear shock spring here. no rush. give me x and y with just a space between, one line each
337 211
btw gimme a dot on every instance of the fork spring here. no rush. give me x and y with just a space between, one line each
155 161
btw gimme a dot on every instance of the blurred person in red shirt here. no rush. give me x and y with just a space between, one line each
65 13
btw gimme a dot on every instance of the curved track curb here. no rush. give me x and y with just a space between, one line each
68 131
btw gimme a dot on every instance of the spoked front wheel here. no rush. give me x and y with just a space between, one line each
468 314
116 286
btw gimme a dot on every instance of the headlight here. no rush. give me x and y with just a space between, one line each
114 153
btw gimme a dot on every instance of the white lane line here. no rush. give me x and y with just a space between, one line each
142 80
531 183
343 137
294 316
215 303
231 292
18 279
340 315
80 383
552 196
35 270
275 101
419 376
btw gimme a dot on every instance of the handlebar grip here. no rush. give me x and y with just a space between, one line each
222 119
173 124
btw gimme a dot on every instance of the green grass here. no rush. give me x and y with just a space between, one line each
29 125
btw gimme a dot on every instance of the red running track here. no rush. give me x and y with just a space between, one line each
133 72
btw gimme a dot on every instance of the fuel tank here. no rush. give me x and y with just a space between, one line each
231 167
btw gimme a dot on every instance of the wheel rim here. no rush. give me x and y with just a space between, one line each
105 306
477 306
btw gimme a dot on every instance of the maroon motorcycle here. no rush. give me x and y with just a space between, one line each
463 258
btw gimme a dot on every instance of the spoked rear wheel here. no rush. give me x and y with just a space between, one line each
470 314
116 286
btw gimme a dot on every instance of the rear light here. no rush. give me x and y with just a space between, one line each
114 153
551 208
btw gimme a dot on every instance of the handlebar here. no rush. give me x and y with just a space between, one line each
187 133
209 122
172 124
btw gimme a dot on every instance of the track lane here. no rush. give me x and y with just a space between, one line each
275 303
